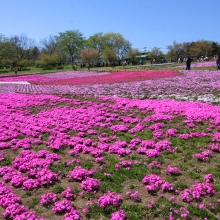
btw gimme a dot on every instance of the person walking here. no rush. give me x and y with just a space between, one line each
218 62
188 63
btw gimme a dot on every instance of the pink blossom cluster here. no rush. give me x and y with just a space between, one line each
167 187
208 178
193 134
152 182
72 215
203 156
196 191
63 206
48 198
119 215
172 170
182 211
172 132
13 209
79 173
154 164
109 198
133 195
67 193
90 184
125 164
214 147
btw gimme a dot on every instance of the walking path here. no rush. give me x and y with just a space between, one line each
18 82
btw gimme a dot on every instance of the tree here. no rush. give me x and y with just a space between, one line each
21 44
96 42
46 60
71 42
89 55
201 48
156 53
49 45
132 53
215 48
176 50
109 55
117 43
6 51
33 54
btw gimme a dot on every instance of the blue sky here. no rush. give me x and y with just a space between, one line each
145 23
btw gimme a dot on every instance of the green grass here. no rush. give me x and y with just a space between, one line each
34 201
6 162
135 211
201 213
58 189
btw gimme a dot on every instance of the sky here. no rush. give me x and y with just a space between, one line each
144 23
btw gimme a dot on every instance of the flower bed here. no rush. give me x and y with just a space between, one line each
197 85
90 157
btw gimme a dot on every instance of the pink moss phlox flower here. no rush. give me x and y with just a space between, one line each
30 184
203 156
119 215
167 187
216 137
152 182
157 126
184 213
208 178
67 193
163 145
151 204
197 191
121 128
152 153
73 215
171 132
90 184
154 164
125 163
14 209
30 215
69 163
214 147
63 206
138 127
109 198
48 198
172 170
79 173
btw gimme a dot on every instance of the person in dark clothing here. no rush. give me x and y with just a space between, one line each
218 63
188 63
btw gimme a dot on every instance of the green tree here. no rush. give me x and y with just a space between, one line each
109 55
33 54
89 55
21 44
117 43
132 53
201 48
156 53
7 55
96 42
71 42
49 60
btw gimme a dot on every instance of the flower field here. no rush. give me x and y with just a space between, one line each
114 147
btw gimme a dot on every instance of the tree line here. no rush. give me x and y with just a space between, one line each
71 47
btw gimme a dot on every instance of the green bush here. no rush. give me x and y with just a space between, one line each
59 67
48 68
